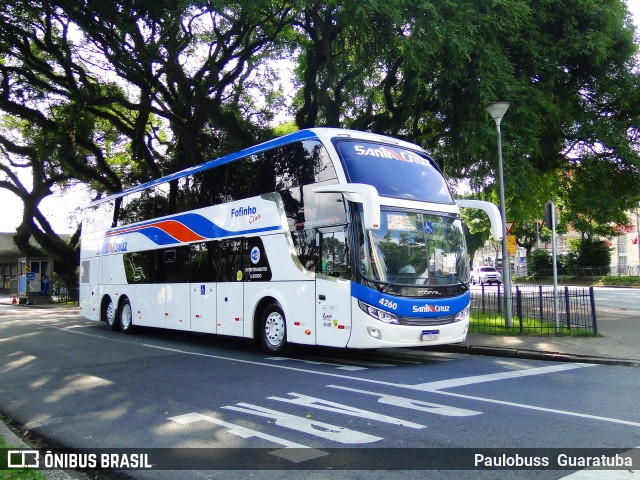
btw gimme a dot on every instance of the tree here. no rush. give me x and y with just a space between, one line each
597 192
425 71
539 263
176 81
171 77
589 256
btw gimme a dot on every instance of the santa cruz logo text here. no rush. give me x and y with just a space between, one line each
111 247
426 308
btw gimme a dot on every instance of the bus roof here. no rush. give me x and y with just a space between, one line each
321 133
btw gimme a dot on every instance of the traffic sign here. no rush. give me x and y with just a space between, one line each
511 244
509 226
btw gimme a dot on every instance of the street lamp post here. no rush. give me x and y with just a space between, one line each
497 111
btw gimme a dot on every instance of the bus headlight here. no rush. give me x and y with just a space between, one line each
378 314
462 314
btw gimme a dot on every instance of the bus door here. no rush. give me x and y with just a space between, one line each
89 287
230 289
333 289
177 309
203 287
203 307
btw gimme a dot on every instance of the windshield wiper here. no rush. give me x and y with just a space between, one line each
464 285
382 287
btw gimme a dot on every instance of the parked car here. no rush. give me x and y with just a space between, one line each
485 274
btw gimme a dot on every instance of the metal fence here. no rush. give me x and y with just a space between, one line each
63 293
533 311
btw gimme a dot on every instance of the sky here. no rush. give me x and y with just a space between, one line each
63 210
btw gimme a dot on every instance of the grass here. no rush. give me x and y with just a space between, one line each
617 281
18 474
595 281
492 324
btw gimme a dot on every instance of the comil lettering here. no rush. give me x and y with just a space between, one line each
243 211
385 152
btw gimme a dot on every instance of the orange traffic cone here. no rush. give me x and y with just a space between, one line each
14 300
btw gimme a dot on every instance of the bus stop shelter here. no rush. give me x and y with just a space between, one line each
34 285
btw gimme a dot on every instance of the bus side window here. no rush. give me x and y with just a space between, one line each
139 267
334 254
228 261
306 248
176 264
201 264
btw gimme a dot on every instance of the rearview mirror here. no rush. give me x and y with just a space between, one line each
362 193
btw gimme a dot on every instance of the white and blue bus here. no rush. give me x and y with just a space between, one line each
322 237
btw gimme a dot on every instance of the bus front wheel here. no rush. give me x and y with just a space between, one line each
273 331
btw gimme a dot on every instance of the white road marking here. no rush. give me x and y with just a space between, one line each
306 425
321 404
301 452
540 409
459 382
603 475
414 404
234 429
428 387
352 368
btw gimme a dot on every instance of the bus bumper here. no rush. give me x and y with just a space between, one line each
367 332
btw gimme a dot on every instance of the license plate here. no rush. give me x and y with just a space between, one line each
428 335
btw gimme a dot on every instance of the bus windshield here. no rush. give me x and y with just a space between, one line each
415 249
394 171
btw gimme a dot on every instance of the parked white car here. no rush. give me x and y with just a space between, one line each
485 274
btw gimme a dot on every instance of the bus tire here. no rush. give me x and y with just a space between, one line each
273 330
110 313
125 316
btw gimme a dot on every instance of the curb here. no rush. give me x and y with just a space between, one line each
533 355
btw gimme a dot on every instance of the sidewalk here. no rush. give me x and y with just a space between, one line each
618 343
608 349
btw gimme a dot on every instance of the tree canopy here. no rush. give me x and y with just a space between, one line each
111 94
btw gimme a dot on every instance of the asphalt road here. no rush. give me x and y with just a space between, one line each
76 384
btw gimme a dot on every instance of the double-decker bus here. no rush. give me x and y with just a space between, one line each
322 237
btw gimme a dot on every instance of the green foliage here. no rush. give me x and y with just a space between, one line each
591 253
625 281
285 128
539 263
597 192
120 93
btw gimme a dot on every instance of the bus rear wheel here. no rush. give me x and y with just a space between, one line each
126 316
109 314
273 330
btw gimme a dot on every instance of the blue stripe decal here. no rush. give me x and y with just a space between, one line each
411 306
157 235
